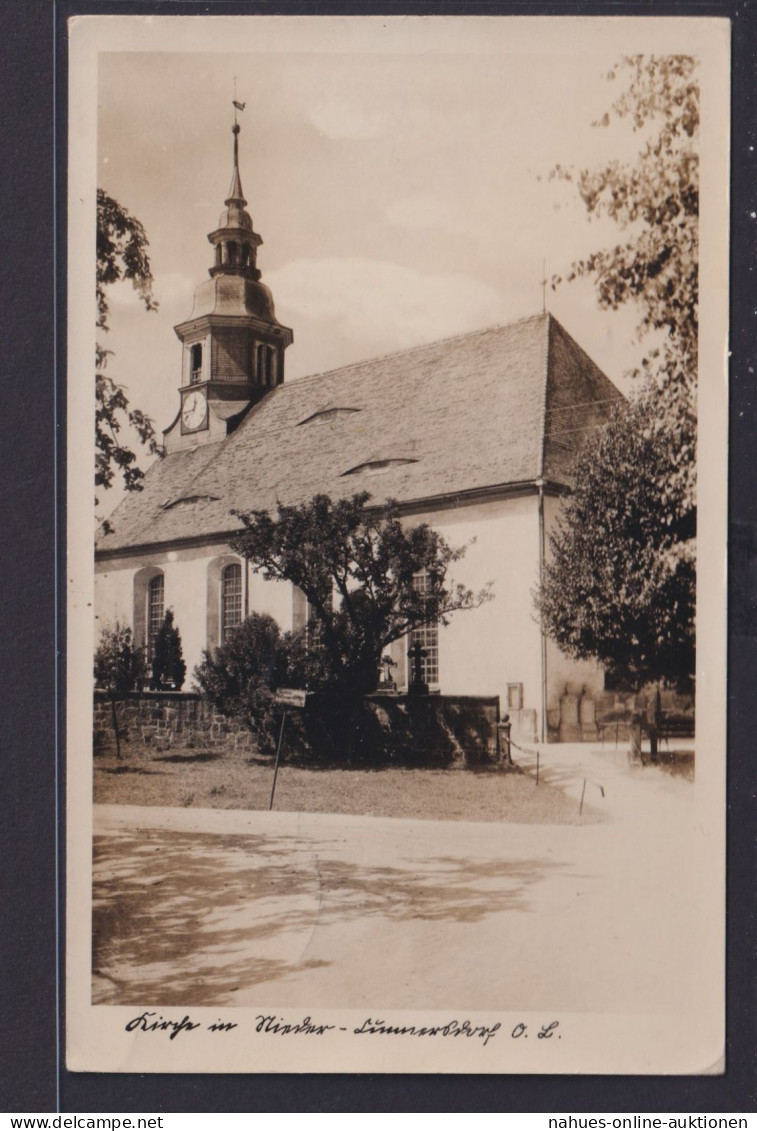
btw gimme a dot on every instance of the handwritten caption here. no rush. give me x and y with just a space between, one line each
270 1024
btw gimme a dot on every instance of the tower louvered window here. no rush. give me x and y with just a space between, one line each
266 368
195 374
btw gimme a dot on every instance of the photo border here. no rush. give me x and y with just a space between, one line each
37 470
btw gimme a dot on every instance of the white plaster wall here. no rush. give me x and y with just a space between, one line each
483 650
480 651
272 597
114 595
186 592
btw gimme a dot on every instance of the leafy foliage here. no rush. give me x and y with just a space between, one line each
620 582
121 254
168 666
119 664
241 675
655 203
356 566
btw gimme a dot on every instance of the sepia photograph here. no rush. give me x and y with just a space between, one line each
396 662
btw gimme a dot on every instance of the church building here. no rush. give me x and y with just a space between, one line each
474 435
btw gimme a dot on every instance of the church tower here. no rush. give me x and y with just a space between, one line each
233 346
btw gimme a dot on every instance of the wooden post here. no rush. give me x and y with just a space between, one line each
278 755
537 765
583 791
115 726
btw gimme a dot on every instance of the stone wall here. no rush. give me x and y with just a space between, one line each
439 729
166 719
412 730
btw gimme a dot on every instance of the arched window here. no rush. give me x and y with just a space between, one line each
231 599
427 636
233 247
156 599
195 374
246 254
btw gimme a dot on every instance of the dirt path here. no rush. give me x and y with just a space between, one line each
229 907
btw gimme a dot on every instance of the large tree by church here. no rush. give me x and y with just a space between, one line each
620 585
358 568
122 253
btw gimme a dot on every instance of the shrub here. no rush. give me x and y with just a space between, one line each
120 665
242 675
168 666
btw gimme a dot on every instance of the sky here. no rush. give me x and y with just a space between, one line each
402 196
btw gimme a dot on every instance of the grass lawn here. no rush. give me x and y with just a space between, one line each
232 781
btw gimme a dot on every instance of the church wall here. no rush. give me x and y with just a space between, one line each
185 591
191 587
274 598
483 650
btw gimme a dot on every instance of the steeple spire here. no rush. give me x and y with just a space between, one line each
235 240
236 196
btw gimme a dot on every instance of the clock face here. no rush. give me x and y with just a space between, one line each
194 411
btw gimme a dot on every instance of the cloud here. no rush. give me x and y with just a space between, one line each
349 309
343 122
422 212
171 288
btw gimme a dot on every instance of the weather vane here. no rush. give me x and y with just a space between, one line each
235 104
544 286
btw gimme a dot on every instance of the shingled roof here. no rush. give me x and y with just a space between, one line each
495 408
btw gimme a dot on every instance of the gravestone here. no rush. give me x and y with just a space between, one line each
587 716
569 729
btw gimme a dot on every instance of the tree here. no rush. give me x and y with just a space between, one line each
121 254
655 203
357 567
619 585
168 665
120 667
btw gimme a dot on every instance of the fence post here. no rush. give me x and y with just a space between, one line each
507 749
278 755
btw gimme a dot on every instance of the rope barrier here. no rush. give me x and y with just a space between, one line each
523 749
536 754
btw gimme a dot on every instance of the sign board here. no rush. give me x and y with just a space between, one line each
290 697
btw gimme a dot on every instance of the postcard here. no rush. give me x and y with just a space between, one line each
397 347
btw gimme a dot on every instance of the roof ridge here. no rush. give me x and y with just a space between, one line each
413 349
